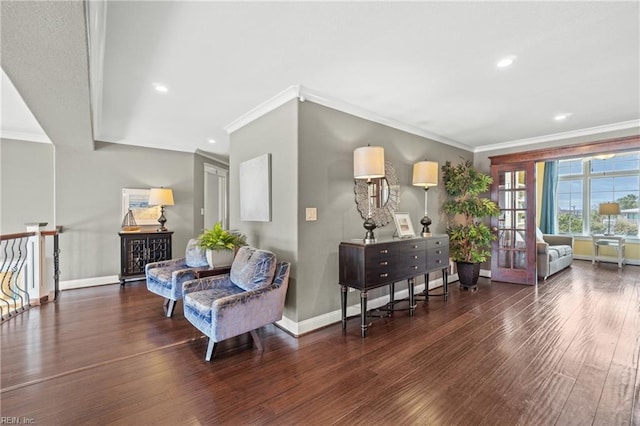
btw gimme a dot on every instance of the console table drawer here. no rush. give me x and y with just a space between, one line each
437 263
437 257
413 247
381 275
438 242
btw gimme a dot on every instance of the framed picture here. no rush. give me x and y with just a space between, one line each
255 189
138 201
403 225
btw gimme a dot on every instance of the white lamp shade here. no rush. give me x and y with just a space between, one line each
609 208
161 197
425 173
368 162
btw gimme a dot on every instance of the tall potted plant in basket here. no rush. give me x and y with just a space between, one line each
469 237
221 245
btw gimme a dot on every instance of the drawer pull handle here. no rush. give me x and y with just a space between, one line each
414 257
438 261
414 267
438 242
414 246
384 251
384 275
384 263
439 251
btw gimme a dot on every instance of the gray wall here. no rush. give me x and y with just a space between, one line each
312 166
327 138
26 185
87 185
274 133
88 201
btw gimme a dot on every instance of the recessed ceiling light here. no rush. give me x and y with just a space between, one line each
505 62
211 140
561 117
160 88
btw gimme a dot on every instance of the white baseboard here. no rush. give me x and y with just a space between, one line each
298 328
608 259
88 282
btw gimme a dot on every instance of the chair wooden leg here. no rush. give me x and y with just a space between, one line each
170 307
211 350
256 340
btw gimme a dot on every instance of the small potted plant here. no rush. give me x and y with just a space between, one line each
469 238
221 245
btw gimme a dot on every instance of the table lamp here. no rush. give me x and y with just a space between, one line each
609 209
368 163
161 197
425 174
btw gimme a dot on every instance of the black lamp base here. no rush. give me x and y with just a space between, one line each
425 221
162 220
369 225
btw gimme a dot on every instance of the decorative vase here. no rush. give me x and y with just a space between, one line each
220 258
468 274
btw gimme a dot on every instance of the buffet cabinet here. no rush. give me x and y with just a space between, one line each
368 266
139 248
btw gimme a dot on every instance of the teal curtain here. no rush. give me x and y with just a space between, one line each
549 190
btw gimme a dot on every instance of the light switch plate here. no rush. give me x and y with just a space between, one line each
311 214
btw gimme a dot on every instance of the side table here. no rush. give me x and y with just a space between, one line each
203 273
617 242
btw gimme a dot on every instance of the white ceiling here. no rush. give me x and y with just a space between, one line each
426 67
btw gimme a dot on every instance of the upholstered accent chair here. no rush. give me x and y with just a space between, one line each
165 278
252 295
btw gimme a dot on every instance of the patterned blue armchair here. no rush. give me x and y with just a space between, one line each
165 278
251 296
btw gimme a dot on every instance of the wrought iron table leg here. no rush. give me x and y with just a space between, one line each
445 285
412 303
343 305
363 313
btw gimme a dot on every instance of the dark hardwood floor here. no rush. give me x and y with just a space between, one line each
564 352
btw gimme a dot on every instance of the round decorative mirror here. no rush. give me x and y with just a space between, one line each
385 196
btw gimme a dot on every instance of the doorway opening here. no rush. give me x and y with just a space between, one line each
216 207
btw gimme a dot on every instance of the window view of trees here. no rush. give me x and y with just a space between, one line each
589 182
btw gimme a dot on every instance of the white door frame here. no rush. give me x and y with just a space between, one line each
223 208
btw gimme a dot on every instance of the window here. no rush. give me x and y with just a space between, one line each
585 183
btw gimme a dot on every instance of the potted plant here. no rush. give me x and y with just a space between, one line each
221 245
469 237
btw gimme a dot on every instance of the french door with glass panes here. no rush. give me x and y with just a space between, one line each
513 253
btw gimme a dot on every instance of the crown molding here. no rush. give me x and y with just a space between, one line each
269 105
559 136
25 136
346 107
213 157
305 94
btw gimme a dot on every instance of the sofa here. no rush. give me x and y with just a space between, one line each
554 253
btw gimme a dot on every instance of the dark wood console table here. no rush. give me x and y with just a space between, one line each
368 266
